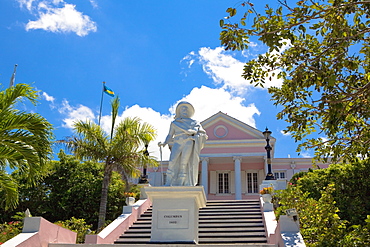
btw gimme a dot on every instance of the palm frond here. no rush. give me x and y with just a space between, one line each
10 189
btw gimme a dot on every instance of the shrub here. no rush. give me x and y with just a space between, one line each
320 223
9 230
77 225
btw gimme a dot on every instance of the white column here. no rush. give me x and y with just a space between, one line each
205 174
238 182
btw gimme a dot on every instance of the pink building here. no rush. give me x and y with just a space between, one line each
233 162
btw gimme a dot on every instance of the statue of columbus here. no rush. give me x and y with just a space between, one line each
185 139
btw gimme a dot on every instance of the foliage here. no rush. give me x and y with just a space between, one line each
332 204
77 225
352 186
9 230
120 151
69 190
320 50
266 190
25 141
320 223
359 236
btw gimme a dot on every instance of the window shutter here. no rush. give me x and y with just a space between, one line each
244 182
232 182
212 182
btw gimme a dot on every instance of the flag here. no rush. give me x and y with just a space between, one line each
12 79
108 91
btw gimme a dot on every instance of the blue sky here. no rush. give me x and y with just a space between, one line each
152 54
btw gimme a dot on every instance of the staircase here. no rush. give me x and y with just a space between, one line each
231 222
220 222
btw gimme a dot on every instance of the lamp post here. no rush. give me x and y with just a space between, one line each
270 175
144 177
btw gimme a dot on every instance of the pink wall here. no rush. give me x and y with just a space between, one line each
223 149
233 132
41 232
230 166
121 228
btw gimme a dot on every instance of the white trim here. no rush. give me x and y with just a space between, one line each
234 143
223 127
217 155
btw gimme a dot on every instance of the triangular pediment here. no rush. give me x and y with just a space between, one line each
223 127
228 136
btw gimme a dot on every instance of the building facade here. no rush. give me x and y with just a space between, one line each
233 163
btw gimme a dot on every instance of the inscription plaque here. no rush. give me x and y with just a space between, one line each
173 218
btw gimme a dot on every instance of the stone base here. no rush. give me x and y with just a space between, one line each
175 213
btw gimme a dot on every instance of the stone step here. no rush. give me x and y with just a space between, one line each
232 201
230 207
143 226
231 234
138 230
232 229
221 223
230 216
230 221
230 226
220 240
231 204
218 213
132 241
145 244
242 228
133 235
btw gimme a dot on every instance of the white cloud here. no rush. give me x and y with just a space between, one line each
306 155
75 113
225 70
58 16
27 4
208 101
94 4
284 133
48 97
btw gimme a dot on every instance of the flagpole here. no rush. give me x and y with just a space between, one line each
101 101
12 79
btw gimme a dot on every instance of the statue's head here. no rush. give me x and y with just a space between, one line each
184 110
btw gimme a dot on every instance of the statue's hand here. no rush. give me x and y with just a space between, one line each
160 144
192 132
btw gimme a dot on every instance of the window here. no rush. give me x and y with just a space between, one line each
252 182
223 183
279 175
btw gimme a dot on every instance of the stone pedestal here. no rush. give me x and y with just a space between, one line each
175 213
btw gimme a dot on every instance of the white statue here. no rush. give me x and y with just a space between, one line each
185 139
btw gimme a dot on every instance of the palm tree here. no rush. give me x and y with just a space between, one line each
120 151
25 140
